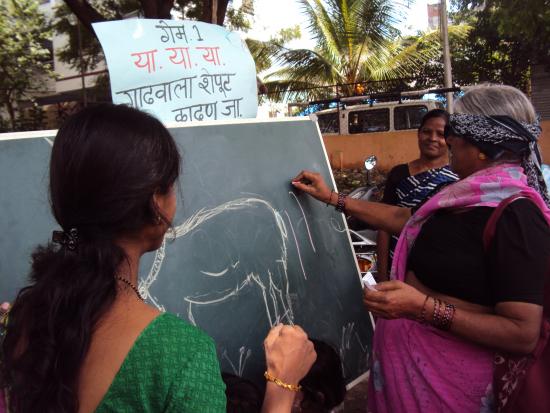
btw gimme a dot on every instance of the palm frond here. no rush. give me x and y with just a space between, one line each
407 55
264 53
356 41
322 28
304 64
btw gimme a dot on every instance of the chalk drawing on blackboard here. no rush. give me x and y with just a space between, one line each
349 338
220 273
297 246
337 225
244 355
305 221
273 285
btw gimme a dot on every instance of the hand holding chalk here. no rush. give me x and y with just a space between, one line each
289 353
394 299
313 184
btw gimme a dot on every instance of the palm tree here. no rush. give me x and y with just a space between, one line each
356 42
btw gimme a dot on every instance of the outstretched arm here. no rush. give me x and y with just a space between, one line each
389 218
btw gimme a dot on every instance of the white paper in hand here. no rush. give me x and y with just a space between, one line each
369 281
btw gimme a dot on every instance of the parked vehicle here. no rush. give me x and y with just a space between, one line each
375 117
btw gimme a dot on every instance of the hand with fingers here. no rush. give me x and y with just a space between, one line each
289 354
313 184
394 299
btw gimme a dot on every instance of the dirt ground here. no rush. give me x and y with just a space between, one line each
356 399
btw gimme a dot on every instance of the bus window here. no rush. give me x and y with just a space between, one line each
408 117
328 122
366 121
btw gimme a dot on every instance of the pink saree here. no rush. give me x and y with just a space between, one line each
415 367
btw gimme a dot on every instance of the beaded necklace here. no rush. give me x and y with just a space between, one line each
132 286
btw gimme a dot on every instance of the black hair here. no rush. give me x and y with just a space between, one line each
434 113
107 162
324 386
243 396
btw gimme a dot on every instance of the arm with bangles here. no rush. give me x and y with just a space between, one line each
381 216
513 327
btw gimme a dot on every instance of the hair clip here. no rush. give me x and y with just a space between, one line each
67 239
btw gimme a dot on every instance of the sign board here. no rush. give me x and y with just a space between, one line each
179 70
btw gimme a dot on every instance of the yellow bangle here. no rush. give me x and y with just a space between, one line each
280 383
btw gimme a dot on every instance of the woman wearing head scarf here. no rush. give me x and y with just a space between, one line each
453 302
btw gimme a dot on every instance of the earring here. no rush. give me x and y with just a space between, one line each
481 156
158 219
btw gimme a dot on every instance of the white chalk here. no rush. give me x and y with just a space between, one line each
369 281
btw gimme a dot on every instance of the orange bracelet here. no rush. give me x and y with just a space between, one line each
422 318
330 198
280 383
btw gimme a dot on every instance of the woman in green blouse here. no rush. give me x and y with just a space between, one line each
80 337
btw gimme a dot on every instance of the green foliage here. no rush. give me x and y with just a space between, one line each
67 24
239 19
508 36
265 52
25 59
356 41
431 73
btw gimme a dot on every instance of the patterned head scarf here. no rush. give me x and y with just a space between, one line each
494 135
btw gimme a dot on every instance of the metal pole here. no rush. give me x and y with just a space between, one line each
448 79
83 81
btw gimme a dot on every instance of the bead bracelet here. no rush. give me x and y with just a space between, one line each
341 204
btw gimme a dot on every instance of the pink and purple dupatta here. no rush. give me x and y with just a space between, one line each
415 367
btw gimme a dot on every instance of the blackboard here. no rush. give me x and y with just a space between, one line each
246 250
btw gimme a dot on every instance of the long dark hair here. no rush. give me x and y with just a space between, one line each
107 162
324 386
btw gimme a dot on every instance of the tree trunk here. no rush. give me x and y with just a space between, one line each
214 12
220 13
85 13
222 9
164 9
11 112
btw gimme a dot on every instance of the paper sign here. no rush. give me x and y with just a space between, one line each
179 70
